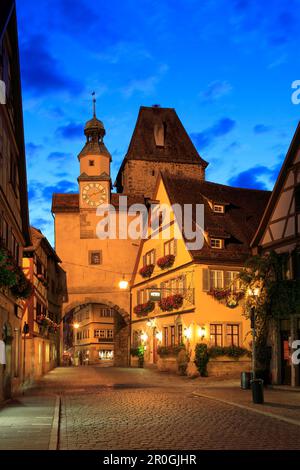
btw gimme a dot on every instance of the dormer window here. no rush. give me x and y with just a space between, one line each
216 243
219 208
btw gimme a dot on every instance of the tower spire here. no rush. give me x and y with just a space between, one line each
94 104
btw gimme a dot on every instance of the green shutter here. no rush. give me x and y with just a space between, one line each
205 280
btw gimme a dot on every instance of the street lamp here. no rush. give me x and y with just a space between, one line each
75 328
124 285
256 384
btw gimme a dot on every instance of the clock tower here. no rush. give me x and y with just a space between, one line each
94 180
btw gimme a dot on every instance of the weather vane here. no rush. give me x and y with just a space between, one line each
94 103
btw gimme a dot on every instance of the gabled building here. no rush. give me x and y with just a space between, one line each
43 311
14 225
279 230
159 143
200 295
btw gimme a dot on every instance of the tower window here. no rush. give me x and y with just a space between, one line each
92 162
95 257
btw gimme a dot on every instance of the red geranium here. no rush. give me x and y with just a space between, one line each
172 302
166 261
146 271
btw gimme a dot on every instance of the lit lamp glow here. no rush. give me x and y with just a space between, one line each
123 285
202 331
188 332
159 336
144 337
76 326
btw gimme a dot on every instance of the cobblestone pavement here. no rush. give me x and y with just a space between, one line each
109 408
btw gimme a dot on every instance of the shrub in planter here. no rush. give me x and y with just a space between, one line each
142 310
172 302
230 351
139 353
166 262
201 358
146 271
167 351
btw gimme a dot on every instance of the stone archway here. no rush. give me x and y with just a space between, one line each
121 327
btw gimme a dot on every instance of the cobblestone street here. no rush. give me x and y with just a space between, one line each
109 408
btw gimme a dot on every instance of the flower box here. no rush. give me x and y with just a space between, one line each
146 271
142 310
172 302
229 297
166 261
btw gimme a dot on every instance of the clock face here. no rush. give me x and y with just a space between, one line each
94 194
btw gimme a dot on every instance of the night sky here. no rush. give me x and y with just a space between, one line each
225 66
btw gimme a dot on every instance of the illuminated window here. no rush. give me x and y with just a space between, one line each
149 258
216 335
219 208
170 247
233 335
216 279
216 243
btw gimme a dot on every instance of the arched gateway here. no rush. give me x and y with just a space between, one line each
103 333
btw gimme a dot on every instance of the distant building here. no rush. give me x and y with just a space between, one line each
43 311
201 299
279 230
14 225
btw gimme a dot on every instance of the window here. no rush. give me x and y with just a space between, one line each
216 243
91 162
219 208
216 335
297 198
216 279
172 335
179 334
149 258
110 333
233 335
106 312
95 257
170 247
231 280
166 336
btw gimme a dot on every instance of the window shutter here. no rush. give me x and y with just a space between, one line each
205 280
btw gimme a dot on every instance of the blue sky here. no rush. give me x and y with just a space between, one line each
225 66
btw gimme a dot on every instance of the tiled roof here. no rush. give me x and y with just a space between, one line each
65 202
243 211
178 146
70 202
37 237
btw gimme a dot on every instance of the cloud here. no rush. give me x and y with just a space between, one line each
146 85
261 129
216 90
233 146
62 186
70 131
257 177
58 157
220 128
32 149
41 72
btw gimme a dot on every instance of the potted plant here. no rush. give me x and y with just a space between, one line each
147 270
201 359
8 275
142 310
172 302
139 353
166 261
23 288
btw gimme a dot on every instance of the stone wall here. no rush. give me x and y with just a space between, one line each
121 340
140 176
227 366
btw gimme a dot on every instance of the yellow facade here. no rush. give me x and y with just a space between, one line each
201 318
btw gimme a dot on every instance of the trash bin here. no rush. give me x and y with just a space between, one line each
245 380
257 386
